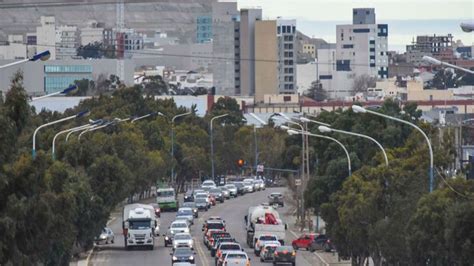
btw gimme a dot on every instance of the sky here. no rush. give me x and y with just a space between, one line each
405 18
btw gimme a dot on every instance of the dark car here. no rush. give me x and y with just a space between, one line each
189 196
275 198
182 254
284 254
202 204
192 205
321 242
240 188
217 193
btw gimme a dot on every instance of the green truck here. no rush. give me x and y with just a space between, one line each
166 198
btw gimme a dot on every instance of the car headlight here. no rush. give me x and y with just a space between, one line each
195 210
175 258
167 238
103 237
191 257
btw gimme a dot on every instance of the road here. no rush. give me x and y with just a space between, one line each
232 211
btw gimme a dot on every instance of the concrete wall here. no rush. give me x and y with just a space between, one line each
306 75
266 55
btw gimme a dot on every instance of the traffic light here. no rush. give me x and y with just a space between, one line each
240 162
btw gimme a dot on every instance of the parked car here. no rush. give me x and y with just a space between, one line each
217 194
192 205
284 254
241 190
276 198
236 258
250 182
261 184
232 190
248 185
106 236
321 242
305 241
183 240
183 254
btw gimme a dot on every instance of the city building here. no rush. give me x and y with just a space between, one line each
428 46
310 49
67 42
286 34
248 18
14 48
203 29
266 59
194 56
226 48
307 74
94 32
46 36
363 16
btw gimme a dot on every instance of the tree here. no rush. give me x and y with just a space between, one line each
16 102
362 83
154 85
316 92
444 79
91 50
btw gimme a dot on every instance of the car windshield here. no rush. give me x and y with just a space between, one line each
215 226
189 204
248 183
200 200
284 248
168 193
275 195
179 225
139 224
184 212
236 256
201 195
230 186
215 190
208 183
182 237
182 251
230 247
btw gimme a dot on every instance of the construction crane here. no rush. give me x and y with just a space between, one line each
120 38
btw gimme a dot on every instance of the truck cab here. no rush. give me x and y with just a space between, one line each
139 228
166 199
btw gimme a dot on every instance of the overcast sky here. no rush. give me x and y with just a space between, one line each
385 9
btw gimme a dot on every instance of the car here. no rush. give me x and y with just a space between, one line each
183 254
321 242
183 240
208 237
196 191
204 196
251 182
232 190
260 183
217 193
284 254
241 190
185 213
202 204
261 240
256 185
305 241
192 205
216 238
183 264
176 227
211 219
106 236
223 249
208 184
189 196
276 198
236 258
225 192
157 209
213 225
267 251
248 185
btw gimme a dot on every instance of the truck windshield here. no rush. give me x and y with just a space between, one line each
140 224
165 194
215 226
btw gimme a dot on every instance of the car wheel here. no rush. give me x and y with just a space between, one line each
311 249
295 247
113 240
166 244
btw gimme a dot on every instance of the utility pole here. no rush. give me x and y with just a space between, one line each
119 38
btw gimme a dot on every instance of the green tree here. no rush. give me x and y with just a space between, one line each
316 91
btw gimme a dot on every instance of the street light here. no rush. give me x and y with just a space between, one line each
113 122
78 115
360 109
296 132
65 91
43 56
53 148
437 62
467 27
172 141
307 120
85 128
212 143
145 116
326 129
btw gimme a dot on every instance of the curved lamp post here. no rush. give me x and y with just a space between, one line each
212 142
295 132
307 120
65 91
172 141
326 129
437 62
359 109
81 114
43 56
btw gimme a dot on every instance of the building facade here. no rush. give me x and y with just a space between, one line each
203 29
248 18
266 59
14 48
94 32
67 42
428 46
286 35
310 49
46 36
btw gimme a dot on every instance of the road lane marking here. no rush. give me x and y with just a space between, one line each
201 253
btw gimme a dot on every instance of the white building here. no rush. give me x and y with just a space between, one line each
94 32
307 73
14 48
286 33
67 42
46 36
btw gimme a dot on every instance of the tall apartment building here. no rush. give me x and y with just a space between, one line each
203 29
428 45
226 48
248 19
275 57
46 36
67 42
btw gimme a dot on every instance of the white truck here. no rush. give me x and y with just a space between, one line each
139 225
264 220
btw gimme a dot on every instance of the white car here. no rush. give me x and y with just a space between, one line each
260 183
232 189
208 184
248 185
179 226
237 258
262 240
106 236
185 213
183 240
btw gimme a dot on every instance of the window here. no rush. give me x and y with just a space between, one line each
361 30
288 29
347 46
283 29
278 30
321 77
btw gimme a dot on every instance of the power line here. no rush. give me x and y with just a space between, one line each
454 190
78 3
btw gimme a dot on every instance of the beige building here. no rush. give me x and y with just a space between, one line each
415 92
310 49
266 59
248 18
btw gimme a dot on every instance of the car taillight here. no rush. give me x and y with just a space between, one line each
293 253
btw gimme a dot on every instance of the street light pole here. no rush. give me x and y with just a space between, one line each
33 150
53 147
172 143
65 91
359 109
43 56
327 129
212 143
435 61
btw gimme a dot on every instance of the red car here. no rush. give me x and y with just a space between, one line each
212 199
304 241
313 242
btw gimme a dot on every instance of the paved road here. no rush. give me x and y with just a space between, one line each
233 211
